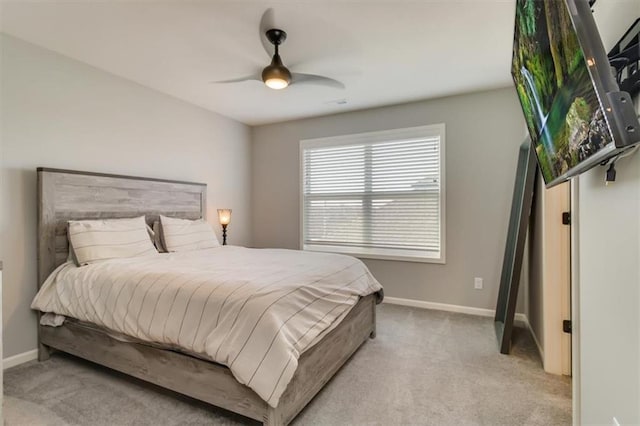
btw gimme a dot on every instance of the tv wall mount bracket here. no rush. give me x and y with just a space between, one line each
624 58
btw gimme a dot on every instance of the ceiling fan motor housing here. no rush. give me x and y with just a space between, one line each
276 70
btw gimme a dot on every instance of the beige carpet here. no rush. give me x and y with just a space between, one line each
424 368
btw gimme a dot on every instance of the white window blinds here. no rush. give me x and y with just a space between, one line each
376 194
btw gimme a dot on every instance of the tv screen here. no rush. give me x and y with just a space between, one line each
559 78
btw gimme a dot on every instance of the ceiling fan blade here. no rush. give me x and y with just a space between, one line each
251 77
267 22
316 79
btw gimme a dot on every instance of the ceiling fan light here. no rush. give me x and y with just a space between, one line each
276 83
276 75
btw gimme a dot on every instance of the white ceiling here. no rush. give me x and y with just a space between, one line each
385 52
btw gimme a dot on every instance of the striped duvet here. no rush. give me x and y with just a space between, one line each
252 310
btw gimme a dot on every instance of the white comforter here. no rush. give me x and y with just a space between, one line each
252 310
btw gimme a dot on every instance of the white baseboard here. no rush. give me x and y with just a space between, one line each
520 318
14 360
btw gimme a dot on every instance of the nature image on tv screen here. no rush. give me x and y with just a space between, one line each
561 108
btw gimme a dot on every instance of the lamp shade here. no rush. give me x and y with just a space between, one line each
224 216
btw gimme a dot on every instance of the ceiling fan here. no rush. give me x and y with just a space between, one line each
276 75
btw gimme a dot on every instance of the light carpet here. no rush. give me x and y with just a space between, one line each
424 368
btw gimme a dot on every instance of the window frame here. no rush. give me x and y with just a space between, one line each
373 137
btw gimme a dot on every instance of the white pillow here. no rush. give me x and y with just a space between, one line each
187 235
95 240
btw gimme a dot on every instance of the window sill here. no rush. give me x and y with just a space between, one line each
362 253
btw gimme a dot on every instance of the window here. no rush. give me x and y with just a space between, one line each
375 195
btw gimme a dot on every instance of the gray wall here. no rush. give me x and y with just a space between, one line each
57 112
483 133
609 271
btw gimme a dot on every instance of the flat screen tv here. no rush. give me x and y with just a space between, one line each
576 114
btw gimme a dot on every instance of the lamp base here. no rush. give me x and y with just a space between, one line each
224 235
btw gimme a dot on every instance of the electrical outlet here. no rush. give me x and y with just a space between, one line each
477 283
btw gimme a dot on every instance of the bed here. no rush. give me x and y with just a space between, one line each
70 195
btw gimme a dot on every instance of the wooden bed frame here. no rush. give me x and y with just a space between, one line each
67 195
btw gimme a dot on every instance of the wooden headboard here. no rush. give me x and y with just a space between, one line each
65 195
